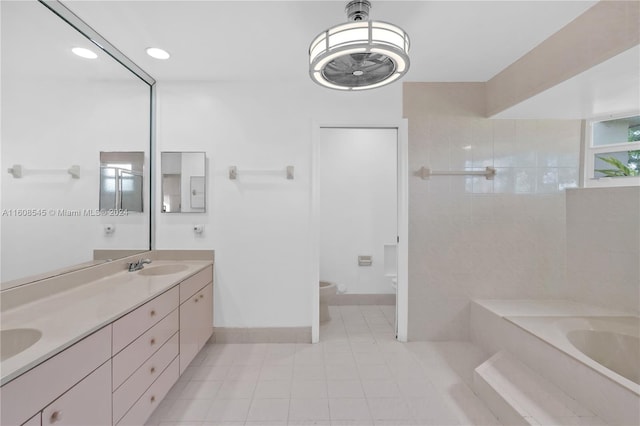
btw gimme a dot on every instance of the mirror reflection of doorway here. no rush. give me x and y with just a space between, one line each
358 229
183 182
171 193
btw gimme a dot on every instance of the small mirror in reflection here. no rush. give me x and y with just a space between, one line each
121 181
183 182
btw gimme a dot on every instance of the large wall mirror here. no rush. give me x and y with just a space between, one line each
59 112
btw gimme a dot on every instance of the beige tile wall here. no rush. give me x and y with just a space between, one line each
603 246
472 238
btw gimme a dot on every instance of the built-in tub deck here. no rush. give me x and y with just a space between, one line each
603 339
590 352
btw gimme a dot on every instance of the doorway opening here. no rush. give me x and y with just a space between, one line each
359 215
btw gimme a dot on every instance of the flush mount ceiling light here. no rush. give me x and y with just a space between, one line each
158 53
360 54
84 53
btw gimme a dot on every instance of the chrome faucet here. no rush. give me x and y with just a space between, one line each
136 266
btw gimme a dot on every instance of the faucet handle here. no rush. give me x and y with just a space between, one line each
134 266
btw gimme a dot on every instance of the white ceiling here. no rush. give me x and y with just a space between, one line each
269 40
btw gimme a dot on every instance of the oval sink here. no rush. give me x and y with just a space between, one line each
16 340
162 269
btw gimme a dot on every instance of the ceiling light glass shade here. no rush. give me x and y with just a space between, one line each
359 55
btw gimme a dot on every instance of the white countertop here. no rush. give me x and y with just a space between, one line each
66 317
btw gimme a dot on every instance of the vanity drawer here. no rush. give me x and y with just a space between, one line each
27 394
87 403
34 421
149 401
134 386
132 325
191 285
128 360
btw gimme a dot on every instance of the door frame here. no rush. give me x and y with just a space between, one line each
402 298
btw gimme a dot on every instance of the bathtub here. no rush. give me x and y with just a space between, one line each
590 353
608 344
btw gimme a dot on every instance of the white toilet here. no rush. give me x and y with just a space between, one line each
327 289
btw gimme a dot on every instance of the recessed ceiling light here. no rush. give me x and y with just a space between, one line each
157 53
84 53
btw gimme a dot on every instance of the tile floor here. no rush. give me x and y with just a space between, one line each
358 375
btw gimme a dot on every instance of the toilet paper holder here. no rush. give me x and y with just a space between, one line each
365 260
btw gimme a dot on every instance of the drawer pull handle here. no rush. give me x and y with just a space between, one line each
153 398
201 296
153 313
153 370
55 416
195 300
153 341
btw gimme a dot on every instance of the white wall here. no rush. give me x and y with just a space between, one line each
259 225
53 125
358 206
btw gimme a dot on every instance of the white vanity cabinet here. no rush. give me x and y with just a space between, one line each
196 315
119 374
34 421
66 379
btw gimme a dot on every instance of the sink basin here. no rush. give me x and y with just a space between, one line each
117 279
15 340
162 269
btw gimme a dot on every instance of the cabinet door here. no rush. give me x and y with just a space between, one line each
206 315
189 330
87 403
196 324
